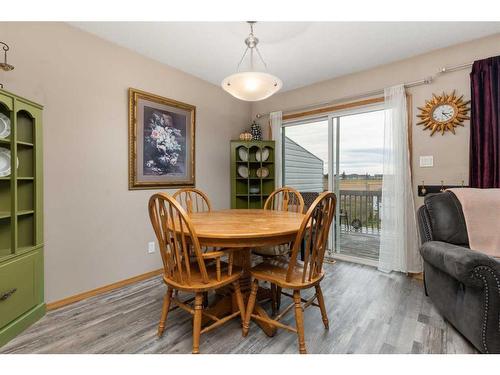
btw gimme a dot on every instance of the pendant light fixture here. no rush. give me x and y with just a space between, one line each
4 65
252 85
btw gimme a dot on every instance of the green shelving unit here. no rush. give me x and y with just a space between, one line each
21 218
251 191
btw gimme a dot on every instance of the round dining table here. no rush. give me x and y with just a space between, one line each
244 230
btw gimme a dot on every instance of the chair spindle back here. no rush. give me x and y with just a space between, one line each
193 200
314 230
176 238
285 199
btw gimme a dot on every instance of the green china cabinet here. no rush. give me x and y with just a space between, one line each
21 215
252 173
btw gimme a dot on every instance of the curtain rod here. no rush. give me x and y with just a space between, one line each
425 81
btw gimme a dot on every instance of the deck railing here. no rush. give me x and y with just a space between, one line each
360 211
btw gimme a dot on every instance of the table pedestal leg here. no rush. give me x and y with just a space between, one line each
227 304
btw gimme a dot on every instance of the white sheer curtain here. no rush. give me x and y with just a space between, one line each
275 121
398 238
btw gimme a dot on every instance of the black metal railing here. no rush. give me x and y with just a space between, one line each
360 211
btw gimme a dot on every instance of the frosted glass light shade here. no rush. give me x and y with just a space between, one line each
251 86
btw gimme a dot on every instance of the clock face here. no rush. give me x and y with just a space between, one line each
443 113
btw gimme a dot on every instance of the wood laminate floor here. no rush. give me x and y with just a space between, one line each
369 311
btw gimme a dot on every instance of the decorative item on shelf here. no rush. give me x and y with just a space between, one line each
262 155
243 153
161 142
246 136
243 171
251 85
444 113
262 172
4 126
5 162
254 190
256 131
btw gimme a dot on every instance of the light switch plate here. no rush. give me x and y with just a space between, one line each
426 161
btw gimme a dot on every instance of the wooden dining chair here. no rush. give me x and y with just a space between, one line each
193 200
179 245
297 275
283 199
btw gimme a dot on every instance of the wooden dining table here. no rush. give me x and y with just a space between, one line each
244 230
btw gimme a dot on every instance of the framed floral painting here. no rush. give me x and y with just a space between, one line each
161 142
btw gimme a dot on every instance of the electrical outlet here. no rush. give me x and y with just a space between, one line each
151 247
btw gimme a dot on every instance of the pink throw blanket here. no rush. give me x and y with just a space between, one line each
481 208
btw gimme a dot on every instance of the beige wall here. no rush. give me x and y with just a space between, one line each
96 231
451 152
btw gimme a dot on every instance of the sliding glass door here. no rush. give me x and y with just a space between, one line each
358 146
341 152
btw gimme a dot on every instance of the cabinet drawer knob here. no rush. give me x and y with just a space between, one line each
7 294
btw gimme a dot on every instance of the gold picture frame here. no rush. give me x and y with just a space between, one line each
161 136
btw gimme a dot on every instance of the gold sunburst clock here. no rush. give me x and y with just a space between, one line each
443 113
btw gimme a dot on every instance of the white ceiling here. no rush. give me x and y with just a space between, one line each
300 53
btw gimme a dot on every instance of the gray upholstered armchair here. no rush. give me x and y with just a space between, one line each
463 284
